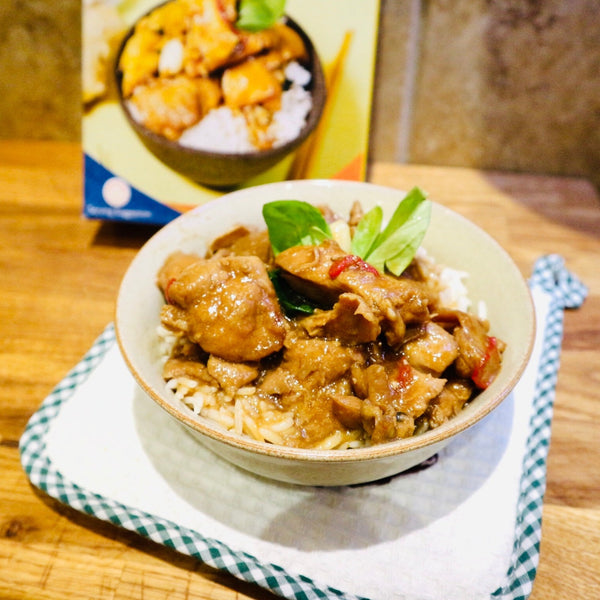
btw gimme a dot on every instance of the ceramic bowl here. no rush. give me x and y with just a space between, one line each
225 170
451 239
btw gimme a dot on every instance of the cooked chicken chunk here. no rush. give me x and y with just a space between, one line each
396 397
242 241
433 351
449 402
169 106
480 355
351 320
227 306
394 301
231 375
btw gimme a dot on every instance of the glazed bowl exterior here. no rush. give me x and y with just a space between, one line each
221 169
451 239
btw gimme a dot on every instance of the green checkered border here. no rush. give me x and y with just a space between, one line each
566 292
549 272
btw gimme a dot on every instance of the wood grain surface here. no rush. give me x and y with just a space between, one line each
60 275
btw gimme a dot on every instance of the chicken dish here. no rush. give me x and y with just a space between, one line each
187 59
375 357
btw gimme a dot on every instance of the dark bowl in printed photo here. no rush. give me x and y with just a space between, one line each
227 169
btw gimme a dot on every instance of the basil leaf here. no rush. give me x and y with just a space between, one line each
255 15
395 247
294 223
408 238
291 302
315 236
402 213
366 232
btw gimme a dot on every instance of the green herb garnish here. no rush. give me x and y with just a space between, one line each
255 15
291 302
396 245
294 223
367 232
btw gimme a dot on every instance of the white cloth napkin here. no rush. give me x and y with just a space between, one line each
446 531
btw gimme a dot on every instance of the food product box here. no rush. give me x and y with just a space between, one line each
127 179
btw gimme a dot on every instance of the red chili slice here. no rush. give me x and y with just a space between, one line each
223 12
481 376
169 284
404 374
349 260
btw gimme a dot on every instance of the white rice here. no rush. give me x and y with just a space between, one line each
241 411
171 56
289 120
222 130
454 293
451 282
297 74
219 131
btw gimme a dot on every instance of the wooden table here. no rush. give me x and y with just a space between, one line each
60 275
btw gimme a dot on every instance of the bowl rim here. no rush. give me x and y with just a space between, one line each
317 83
462 421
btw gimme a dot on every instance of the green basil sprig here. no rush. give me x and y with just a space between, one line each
293 223
255 15
396 245
367 232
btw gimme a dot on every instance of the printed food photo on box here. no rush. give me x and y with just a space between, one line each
185 100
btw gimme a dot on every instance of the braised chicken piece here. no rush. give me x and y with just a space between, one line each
306 268
288 45
168 19
210 39
392 396
311 373
169 106
320 273
285 46
226 305
172 268
351 320
433 350
448 403
139 59
249 83
479 355
228 240
190 369
319 362
348 410
397 395
253 43
187 360
310 363
231 375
